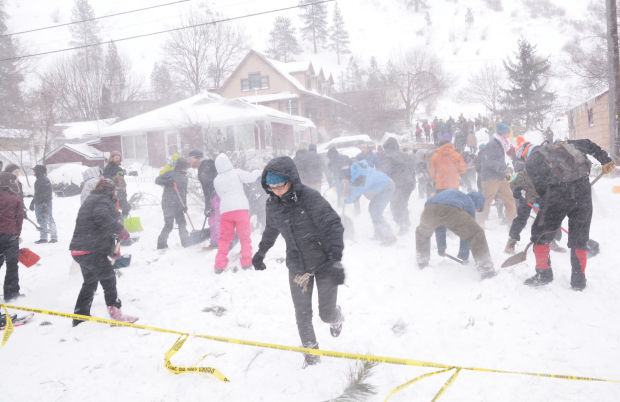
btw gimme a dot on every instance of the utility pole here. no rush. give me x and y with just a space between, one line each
614 77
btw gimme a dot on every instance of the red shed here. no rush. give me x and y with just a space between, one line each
85 154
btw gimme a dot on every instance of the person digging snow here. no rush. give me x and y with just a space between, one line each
174 202
560 174
11 219
94 239
456 211
42 205
313 234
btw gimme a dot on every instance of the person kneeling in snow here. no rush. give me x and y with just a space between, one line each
314 242
94 239
456 211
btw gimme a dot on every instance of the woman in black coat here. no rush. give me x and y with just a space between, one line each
94 239
314 242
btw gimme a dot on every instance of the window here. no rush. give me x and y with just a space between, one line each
264 82
134 147
255 81
309 82
590 117
293 107
245 84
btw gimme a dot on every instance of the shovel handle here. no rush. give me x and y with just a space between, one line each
176 189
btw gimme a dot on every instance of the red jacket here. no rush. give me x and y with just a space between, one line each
446 168
11 213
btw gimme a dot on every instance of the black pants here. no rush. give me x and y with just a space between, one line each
169 217
96 268
520 221
9 247
399 205
328 296
573 200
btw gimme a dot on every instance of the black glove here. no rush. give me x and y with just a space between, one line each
335 271
208 211
258 263
31 207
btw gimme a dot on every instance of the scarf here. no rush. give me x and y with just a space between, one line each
505 144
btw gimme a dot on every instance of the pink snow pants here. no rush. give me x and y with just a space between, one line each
239 220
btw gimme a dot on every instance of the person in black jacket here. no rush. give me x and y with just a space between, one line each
401 169
175 187
11 219
94 239
116 173
314 242
206 175
560 174
42 205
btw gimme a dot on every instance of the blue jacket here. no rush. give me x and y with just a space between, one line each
371 158
366 180
455 198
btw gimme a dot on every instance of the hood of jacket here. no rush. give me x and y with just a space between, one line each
223 164
91 173
478 200
283 166
446 149
391 144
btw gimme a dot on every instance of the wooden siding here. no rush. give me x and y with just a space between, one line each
580 127
66 155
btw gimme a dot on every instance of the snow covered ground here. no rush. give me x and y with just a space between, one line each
443 314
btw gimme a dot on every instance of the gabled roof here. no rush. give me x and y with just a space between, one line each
205 109
83 149
285 70
80 129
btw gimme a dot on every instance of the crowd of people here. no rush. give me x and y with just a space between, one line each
460 180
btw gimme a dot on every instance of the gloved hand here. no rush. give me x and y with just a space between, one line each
185 209
336 271
257 262
208 210
609 167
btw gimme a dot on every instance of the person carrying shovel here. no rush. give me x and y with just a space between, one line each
560 173
174 202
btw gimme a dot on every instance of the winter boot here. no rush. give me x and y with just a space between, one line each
542 277
117 315
336 327
40 241
486 270
311 360
578 259
3 319
510 246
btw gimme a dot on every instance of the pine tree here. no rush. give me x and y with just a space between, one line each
10 76
375 76
469 17
85 33
339 37
527 101
114 73
161 82
282 41
314 20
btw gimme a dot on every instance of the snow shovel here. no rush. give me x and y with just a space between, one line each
453 258
133 224
517 258
40 229
196 236
27 257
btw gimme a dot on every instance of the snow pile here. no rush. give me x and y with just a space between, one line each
67 173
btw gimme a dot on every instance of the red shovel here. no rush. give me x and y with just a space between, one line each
28 257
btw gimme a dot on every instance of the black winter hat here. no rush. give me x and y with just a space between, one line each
195 154
39 169
181 163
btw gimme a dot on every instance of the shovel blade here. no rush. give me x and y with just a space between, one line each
515 259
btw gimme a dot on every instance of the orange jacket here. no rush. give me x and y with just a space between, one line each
447 166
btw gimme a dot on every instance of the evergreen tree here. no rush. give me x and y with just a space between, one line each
354 76
527 101
161 82
85 33
282 41
375 76
469 17
114 73
338 37
10 76
314 19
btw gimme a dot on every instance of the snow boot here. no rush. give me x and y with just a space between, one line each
542 277
336 327
3 319
486 270
510 246
40 241
117 315
311 360
578 259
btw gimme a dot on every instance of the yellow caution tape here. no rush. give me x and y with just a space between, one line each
183 336
9 327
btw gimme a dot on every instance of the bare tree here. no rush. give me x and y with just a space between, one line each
419 77
229 43
484 87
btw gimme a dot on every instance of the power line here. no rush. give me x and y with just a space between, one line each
165 31
93 19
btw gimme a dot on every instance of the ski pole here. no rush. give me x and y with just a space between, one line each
183 205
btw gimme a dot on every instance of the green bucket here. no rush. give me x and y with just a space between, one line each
132 224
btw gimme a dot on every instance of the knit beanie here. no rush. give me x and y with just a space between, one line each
273 179
502 128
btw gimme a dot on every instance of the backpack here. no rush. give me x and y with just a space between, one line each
566 162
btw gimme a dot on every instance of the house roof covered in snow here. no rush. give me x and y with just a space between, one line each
81 129
269 97
205 109
83 149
